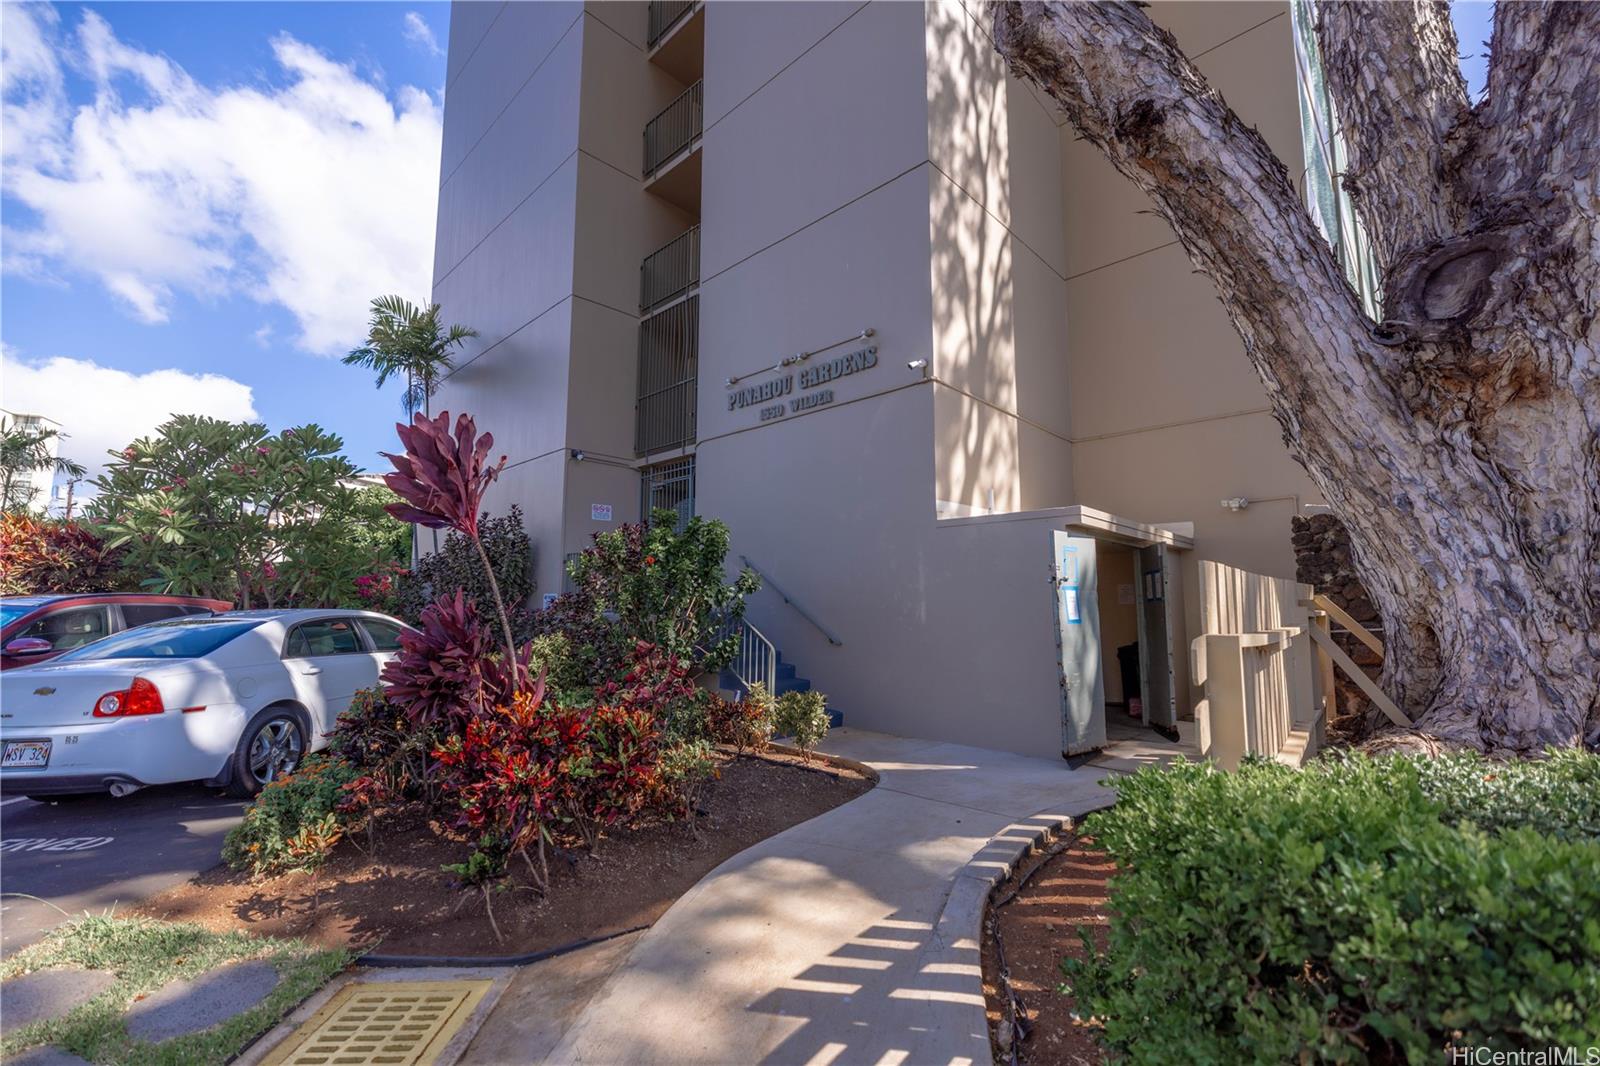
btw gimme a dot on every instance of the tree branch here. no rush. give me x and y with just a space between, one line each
1129 90
1538 129
1395 77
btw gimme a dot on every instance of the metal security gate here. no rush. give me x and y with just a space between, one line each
668 486
669 350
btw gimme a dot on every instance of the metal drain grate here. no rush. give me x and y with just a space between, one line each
401 1023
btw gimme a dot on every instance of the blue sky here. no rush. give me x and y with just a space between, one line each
194 266
200 198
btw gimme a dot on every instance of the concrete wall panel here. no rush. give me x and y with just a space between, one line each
813 137
749 43
523 150
520 40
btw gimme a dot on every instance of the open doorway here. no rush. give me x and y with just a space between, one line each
1119 621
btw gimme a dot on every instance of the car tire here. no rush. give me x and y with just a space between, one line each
271 747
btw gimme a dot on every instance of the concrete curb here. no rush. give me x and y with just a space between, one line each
960 924
838 761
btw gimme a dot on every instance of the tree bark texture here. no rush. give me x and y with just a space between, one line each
1459 438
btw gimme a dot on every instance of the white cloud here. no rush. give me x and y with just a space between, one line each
317 195
101 409
418 32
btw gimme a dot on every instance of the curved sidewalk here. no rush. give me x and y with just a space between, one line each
851 938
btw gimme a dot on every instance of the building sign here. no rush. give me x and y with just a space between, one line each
599 512
776 397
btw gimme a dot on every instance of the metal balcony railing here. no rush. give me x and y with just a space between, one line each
669 356
674 129
665 14
670 271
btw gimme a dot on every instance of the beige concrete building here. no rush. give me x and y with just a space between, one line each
826 272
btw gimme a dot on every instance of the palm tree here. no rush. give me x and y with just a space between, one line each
24 449
405 339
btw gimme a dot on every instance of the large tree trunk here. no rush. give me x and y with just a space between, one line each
1458 439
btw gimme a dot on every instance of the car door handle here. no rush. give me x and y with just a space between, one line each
308 670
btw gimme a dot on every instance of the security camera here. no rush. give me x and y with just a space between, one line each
917 364
577 455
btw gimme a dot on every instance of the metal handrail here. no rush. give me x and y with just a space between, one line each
665 14
670 271
766 580
678 126
756 661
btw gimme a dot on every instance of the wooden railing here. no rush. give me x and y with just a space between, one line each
1260 639
1329 655
1254 659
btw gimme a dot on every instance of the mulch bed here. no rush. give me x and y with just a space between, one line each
1060 893
396 895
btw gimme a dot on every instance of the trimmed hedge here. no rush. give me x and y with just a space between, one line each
1359 910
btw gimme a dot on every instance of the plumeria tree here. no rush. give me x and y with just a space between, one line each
227 509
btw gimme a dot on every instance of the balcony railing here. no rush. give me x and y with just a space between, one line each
674 129
665 14
670 271
669 355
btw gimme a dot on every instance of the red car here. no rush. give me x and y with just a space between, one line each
34 629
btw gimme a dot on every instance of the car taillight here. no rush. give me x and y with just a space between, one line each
141 697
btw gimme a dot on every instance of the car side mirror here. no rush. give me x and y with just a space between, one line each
28 646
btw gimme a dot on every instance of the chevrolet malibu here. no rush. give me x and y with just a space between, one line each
234 700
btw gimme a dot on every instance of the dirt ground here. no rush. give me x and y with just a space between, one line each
396 895
1037 928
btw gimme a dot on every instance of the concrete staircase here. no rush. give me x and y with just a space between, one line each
788 680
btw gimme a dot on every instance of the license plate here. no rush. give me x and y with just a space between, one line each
24 754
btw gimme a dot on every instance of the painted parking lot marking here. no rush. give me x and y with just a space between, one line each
9 802
54 843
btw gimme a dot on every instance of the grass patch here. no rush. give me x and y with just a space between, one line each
145 955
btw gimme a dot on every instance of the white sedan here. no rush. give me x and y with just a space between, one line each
234 700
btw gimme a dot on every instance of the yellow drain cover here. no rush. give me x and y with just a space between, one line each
399 1023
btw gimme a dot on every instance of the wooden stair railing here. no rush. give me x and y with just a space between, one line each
1329 655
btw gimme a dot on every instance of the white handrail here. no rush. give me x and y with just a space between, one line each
756 661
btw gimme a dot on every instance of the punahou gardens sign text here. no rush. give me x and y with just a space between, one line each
770 395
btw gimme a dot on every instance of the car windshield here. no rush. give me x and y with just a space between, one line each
188 638
11 611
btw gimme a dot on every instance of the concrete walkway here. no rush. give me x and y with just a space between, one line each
851 938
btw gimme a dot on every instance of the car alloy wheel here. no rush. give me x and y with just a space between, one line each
275 750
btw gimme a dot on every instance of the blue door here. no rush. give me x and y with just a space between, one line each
1083 694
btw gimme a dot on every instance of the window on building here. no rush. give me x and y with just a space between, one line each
669 486
1326 158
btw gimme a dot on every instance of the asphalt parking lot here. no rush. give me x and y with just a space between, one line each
95 853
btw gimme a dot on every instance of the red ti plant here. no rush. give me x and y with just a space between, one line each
443 674
441 480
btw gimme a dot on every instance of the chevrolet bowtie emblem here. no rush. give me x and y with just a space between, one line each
44 690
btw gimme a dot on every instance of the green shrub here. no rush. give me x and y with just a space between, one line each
1341 914
685 768
456 566
803 716
294 822
746 725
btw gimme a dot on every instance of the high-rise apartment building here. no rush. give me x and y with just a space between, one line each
826 272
